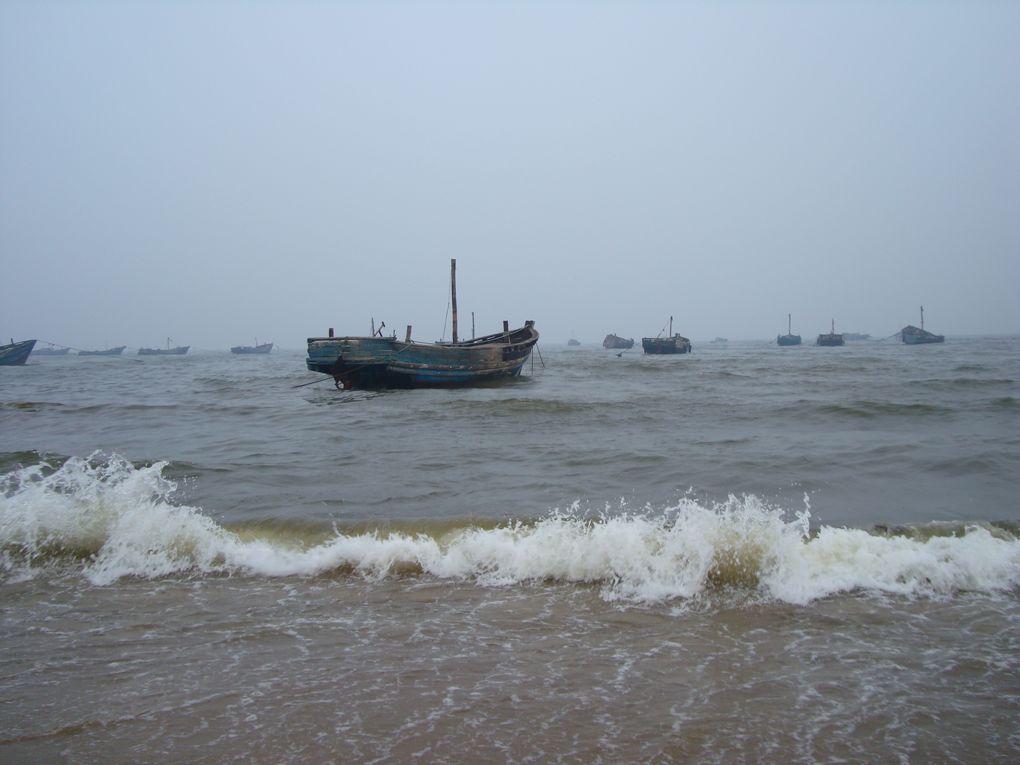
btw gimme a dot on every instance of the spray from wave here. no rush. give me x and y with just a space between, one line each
116 520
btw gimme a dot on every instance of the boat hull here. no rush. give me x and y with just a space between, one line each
385 362
787 339
666 345
16 354
912 335
178 351
108 352
51 351
248 349
615 342
830 340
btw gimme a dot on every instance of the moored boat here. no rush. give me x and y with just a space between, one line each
789 338
52 350
108 352
179 350
666 345
15 354
615 342
831 339
257 348
386 362
912 335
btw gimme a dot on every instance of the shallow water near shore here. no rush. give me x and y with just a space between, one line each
746 554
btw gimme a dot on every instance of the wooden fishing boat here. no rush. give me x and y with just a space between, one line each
615 342
831 339
386 362
179 350
666 345
15 354
108 352
912 335
789 338
257 348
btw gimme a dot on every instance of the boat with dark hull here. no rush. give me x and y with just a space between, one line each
376 361
15 354
666 345
912 335
257 348
108 352
831 339
615 342
789 338
179 350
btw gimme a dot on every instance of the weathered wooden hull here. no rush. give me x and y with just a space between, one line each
386 362
666 345
15 354
787 339
615 342
912 335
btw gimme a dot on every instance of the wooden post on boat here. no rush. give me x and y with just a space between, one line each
671 326
331 332
789 324
472 325
506 329
373 326
407 337
922 317
453 294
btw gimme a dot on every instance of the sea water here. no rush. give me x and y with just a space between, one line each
747 554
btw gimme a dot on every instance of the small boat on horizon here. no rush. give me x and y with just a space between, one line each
15 354
257 348
386 362
912 335
832 339
108 352
789 338
666 345
179 350
615 342
52 350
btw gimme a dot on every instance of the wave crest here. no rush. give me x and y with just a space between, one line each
117 520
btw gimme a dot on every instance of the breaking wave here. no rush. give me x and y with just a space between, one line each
110 519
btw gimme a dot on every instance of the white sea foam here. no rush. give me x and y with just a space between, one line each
121 521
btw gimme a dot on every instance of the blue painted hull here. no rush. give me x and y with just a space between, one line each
912 335
385 362
180 350
787 339
16 354
108 352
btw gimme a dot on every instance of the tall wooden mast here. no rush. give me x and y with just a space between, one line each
453 294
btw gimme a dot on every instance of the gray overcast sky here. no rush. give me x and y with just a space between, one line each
213 171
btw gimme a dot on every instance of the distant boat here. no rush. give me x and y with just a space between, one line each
52 350
108 352
721 340
614 342
831 339
789 338
15 354
856 336
386 362
666 345
573 342
912 335
257 348
180 350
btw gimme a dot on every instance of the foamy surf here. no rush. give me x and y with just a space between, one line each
119 521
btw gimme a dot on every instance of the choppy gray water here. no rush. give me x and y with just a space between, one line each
747 554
